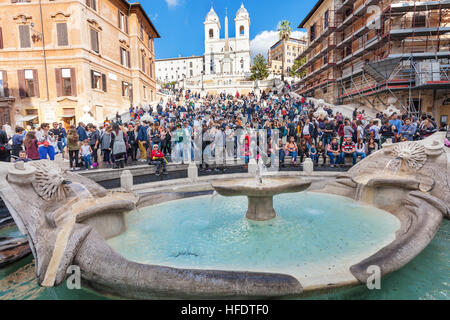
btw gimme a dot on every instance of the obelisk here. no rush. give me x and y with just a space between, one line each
226 62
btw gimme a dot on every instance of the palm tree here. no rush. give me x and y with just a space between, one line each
284 32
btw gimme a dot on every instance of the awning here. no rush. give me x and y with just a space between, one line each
27 118
68 116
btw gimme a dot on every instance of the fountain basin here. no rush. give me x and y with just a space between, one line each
260 194
315 238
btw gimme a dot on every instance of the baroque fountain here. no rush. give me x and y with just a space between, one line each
383 212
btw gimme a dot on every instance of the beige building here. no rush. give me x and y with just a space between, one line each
288 51
62 60
377 53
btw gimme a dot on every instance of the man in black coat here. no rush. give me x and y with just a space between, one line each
5 153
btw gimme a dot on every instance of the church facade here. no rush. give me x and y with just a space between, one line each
222 57
234 50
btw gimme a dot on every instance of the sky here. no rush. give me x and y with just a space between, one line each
180 22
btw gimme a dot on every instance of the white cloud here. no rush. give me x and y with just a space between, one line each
172 3
264 40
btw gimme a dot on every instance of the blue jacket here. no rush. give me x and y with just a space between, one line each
408 131
82 135
142 133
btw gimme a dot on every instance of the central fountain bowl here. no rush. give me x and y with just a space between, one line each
260 193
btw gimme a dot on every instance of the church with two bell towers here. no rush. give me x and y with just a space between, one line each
224 58
227 56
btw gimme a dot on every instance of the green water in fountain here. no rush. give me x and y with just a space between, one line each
313 233
426 277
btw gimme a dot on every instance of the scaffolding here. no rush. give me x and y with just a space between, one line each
404 46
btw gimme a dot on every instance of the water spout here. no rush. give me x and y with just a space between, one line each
394 166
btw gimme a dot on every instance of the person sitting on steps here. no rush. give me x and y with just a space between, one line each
157 158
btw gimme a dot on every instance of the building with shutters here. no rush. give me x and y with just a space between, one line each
61 58
287 51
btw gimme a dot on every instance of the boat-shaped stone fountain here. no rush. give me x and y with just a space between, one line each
70 220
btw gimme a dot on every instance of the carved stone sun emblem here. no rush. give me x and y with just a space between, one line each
48 182
412 153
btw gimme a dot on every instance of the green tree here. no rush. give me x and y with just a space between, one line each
259 68
297 64
284 33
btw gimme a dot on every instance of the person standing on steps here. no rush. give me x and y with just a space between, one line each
118 146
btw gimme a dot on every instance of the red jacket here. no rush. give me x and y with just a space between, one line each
156 155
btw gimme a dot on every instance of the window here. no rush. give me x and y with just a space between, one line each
325 20
94 41
150 68
1 39
3 84
92 4
312 32
149 45
211 33
242 31
348 12
325 59
143 63
145 92
142 32
419 21
123 22
65 82
61 30
190 64
24 32
126 89
191 73
28 83
347 51
98 81
124 57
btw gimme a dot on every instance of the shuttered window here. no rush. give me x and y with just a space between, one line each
125 57
61 29
1 39
92 4
126 89
122 21
28 83
24 33
94 41
4 84
104 86
98 81
143 63
65 82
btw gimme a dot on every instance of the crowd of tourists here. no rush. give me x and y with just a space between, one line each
169 134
